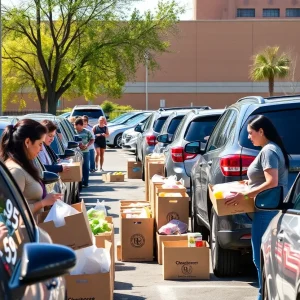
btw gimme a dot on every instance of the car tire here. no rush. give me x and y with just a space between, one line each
224 262
194 222
143 171
136 155
118 141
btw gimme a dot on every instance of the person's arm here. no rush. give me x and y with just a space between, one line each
106 134
91 140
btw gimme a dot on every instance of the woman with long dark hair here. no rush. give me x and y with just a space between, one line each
19 146
269 169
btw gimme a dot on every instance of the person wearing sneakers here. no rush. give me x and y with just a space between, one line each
91 147
101 133
87 140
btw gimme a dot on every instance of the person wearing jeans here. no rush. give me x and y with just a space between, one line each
91 147
269 169
87 140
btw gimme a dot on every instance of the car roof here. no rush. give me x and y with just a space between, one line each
90 106
4 123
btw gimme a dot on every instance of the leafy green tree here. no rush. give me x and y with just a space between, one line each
80 47
268 65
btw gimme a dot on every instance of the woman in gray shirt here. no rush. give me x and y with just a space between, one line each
269 169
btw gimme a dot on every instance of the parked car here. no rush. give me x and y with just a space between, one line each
122 118
129 137
280 248
65 115
31 267
197 125
169 129
226 158
115 132
94 112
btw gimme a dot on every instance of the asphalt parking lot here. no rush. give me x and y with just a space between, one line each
137 281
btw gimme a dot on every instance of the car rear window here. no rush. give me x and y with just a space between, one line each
200 128
174 124
91 113
158 124
286 123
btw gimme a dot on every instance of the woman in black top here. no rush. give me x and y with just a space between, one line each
100 132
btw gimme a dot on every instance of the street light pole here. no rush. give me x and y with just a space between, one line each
146 84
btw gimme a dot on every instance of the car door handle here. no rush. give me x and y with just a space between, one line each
210 163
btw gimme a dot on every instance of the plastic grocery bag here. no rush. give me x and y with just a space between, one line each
170 183
227 190
98 211
59 211
174 227
91 260
157 178
100 206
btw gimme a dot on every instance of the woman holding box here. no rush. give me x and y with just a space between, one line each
19 146
269 169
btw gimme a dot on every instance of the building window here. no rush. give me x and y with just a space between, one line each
293 12
245 13
271 13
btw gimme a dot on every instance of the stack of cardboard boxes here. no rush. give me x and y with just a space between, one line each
77 234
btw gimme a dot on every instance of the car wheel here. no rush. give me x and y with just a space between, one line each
118 141
224 262
194 223
136 155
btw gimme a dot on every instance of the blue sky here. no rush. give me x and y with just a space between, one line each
141 6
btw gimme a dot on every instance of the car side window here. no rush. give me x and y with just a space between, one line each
222 131
15 224
180 126
146 124
295 197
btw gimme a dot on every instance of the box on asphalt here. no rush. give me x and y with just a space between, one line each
171 207
136 238
246 206
153 168
134 169
72 175
133 204
119 255
183 262
98 286
110 237
160 238
152 189
76 233
109 177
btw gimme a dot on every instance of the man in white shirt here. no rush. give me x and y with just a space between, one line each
91 147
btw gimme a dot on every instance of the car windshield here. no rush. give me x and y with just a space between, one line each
158 124
91 113
286 122
122 118
174 124
200 128
136 120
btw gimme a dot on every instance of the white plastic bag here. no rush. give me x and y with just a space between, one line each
91 260
59 211
170 182
157 178
100 206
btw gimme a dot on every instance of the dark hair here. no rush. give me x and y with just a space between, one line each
79 121
12 144
50 125
270 133
85 118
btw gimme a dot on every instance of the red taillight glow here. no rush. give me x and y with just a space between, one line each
235 165
178 154
246 237
151 140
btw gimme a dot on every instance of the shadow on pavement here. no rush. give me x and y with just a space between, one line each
124 268
118 296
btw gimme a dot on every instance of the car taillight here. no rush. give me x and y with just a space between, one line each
151 140
246 237
178 154
235 165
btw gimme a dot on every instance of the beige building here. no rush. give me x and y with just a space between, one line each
210 58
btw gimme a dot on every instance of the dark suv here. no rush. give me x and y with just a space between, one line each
226 158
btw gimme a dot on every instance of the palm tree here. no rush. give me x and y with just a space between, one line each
268 65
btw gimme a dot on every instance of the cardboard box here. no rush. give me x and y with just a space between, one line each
74 174
247 206
134 169
98 286
136 238
171 207
76 233
152 189
109 177
182 262
119 250
163 238
153 167
133 204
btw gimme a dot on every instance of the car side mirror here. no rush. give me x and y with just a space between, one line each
49 177
77 138
194 148
138 128
72 145
41 262
271 199
163 138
